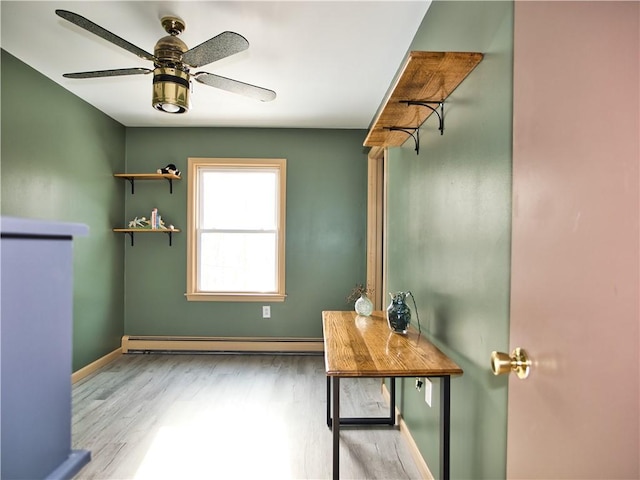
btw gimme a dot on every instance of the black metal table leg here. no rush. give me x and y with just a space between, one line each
445 425
364 421
336 428
328 401
392 402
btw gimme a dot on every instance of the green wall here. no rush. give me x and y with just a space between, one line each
325 238
58 155
449 218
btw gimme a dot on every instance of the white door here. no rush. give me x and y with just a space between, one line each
574 298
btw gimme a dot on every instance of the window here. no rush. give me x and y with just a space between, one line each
236 229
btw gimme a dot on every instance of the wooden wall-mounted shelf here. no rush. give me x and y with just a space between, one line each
132 231
426 76
132 177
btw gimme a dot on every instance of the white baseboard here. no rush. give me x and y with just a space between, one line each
134 343
92 367
145 343
423 468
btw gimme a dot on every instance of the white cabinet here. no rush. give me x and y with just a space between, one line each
36 347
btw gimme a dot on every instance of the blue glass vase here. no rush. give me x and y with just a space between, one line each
399 313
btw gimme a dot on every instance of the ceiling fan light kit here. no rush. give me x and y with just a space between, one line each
172 62
170 90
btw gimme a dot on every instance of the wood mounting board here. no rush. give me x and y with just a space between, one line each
426 76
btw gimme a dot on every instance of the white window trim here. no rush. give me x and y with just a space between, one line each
192 293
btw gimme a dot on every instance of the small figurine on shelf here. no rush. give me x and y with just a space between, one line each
141 222
154 223
171 168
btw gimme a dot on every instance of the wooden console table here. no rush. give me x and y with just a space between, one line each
356 346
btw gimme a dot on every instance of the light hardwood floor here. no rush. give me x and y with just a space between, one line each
228 417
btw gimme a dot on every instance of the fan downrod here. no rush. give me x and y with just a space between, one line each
173 25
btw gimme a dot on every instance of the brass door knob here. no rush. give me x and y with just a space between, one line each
518 362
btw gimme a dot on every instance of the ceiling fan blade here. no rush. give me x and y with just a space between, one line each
235 86
106 34
216 48
109 73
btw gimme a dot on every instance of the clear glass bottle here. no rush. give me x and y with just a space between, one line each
364 306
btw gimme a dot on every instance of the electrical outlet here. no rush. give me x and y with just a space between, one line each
427 391
266 311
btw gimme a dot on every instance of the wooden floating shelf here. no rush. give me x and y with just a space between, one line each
147 176
132 231
426 76
132 177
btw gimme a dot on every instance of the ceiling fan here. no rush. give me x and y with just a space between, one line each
172 62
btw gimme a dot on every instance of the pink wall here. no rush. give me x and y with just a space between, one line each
575 260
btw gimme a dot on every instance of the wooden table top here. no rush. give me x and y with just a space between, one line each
357 346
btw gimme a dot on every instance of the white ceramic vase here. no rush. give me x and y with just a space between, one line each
364 306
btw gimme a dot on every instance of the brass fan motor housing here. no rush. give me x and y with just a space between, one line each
169 51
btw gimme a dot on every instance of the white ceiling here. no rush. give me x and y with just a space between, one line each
330 63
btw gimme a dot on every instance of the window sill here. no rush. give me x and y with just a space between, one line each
235 297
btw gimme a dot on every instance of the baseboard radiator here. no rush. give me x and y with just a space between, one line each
168 344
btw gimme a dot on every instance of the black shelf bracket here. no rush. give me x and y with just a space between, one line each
168 232
133 184
428 103
170 180
413 132
130 236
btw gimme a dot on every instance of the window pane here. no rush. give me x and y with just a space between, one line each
233 199
237 262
